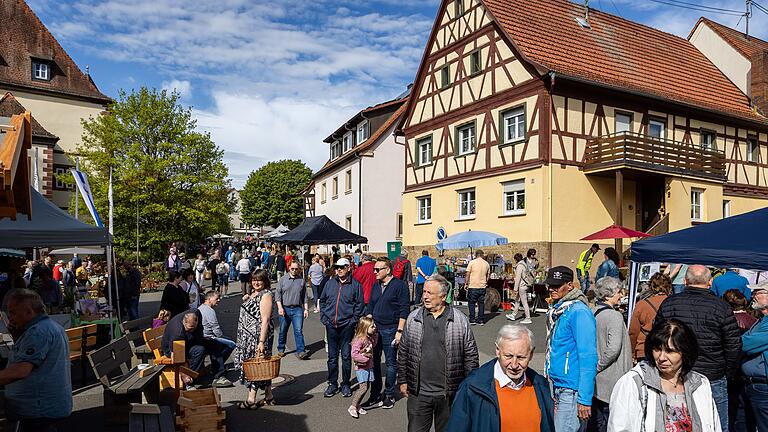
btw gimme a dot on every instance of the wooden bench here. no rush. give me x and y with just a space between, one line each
151 418
175 365
134 330
82 340
122 384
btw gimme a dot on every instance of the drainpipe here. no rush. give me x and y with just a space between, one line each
552 77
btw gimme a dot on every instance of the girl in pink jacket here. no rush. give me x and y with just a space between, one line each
362 350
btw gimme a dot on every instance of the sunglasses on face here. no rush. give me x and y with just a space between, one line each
339 267
378 269
294 269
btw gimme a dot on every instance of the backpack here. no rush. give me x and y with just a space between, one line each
221 268
398 268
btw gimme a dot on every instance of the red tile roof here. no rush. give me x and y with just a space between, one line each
618 53
346 157
9 106
25 37
738 40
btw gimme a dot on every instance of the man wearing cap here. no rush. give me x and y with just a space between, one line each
571 359
755 363
585 263
341 305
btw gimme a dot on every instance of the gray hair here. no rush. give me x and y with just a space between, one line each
513 332
607 287
443 282
189 315
697 275
27 296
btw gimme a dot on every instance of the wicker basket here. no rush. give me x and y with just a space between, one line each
261 368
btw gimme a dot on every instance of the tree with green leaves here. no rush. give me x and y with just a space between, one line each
271 195
165 173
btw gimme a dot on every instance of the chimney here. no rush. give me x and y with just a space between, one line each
759 84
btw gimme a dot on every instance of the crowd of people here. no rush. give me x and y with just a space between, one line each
691 360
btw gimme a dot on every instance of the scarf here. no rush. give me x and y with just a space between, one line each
554 314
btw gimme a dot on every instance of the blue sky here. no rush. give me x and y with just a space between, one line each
270 79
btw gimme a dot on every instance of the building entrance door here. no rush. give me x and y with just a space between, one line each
650 200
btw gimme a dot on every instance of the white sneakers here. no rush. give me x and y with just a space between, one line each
356 412
526 321
513 317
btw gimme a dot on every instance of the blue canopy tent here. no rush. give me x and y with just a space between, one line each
471 239
736 241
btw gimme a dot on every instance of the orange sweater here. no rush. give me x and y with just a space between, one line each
642 318
518 409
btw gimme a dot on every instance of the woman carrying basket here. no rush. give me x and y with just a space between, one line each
255 334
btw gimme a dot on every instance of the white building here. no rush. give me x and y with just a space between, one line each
239 228
361 186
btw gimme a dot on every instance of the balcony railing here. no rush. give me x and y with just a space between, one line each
630 150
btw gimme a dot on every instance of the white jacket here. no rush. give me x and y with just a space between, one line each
627 402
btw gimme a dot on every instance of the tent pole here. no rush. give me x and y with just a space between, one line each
117 300
109 287
634 274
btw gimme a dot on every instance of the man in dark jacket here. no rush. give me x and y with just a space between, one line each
185 327
716 329
341 305
504 391
389 308
435 354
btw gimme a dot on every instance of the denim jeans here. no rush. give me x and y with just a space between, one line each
476 296
316 294
223 280
219 349
583 280
339 339
678 288
758 401
232 272
567 411
720 395
598 422
294 315
195 356
418 294
386 336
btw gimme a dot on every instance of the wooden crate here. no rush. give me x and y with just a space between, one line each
200 411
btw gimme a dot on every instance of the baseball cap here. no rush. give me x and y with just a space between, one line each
557 276
342 262
760 286
596 246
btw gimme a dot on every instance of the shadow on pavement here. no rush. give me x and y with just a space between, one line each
296 391
265 419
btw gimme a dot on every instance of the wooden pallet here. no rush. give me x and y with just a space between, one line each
200 411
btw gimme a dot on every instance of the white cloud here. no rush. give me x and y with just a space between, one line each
183 88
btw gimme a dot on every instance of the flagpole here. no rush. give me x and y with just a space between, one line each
77 190
111 202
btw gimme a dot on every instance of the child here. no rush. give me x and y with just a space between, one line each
362 350
162 318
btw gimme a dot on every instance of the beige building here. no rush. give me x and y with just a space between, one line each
41 78
528 120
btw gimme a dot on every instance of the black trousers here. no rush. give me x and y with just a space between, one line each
423 410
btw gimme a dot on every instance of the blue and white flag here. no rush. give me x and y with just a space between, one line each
85 190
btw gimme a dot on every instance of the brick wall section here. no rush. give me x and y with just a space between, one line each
760 81
46 181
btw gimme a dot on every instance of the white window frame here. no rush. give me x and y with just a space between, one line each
335 187
422 145
348 181
424 209
516 190
59 184
468 202
465 139
335 150
697 205
399 226
726 208
346 142
617 123
348 223
323 192
711 145
363 132
661 124
753 149
41 71
514 117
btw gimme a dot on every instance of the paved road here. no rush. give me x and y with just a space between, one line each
300 402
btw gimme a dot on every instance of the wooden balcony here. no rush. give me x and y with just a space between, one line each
644 153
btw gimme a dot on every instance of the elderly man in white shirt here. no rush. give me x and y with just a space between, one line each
215 343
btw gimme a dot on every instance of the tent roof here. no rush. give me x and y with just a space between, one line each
50 226
737 241
318 230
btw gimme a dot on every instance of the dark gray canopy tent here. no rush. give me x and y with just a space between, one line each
50 226
319 230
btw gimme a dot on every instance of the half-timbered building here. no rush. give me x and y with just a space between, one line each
360 187
544 121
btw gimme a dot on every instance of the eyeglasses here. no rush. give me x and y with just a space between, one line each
294 268
378 269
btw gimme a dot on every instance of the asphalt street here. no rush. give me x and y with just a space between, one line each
299 391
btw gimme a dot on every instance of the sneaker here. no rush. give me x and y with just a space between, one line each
526 321
331 390
222 382
372 403
361 411
302 355
472 323
511 316
481 324
389 402
353 411
346 391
